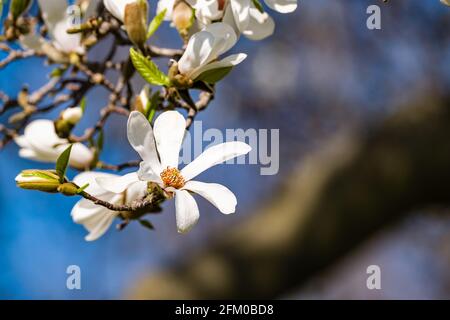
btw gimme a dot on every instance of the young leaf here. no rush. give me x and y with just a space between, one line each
258 5
148 70
214 75
147 224
153 105
156 23
80 190
62 163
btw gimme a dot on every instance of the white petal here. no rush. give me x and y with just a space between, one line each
136 191
213 156
117 7
261 25
198 52
89 177
146 173
220 196
42 137
282 6
186 208
57 21
224 37
169 128
80 156
140 136
95 219
118 184
229 61
240 9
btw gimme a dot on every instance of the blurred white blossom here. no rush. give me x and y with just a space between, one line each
41 143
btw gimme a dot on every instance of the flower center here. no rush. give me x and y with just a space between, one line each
172 178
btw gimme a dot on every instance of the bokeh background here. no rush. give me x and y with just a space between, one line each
321 72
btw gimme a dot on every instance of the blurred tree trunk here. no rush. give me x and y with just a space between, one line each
335 200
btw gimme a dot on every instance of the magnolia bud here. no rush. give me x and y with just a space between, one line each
142 101
136 21
72 115
42 180
183 17
68 189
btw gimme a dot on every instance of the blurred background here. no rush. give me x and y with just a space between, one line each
323 72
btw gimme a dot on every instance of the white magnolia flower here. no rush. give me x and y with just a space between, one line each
97 219
159 149
57 21
242 15
117 7
205 47
40 142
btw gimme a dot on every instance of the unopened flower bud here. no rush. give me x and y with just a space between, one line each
72 115
41 180
183 17
68 189
136 21
142 101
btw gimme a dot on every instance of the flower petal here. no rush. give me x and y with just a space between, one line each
229 61
117 184
186 208
89 177
240 9
282 6
197 53
146 173
213 156
117 7
220 196
261 25
136 190
169 128
224 38
140 136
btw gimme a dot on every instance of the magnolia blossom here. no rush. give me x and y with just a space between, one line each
205 47
242 15
97 219
41 143
159 149
57 21
117 7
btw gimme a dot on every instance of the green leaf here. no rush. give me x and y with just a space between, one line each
258 5
83 104
147 224
62 163
148 70
156 23
80 190
214 75
153 105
